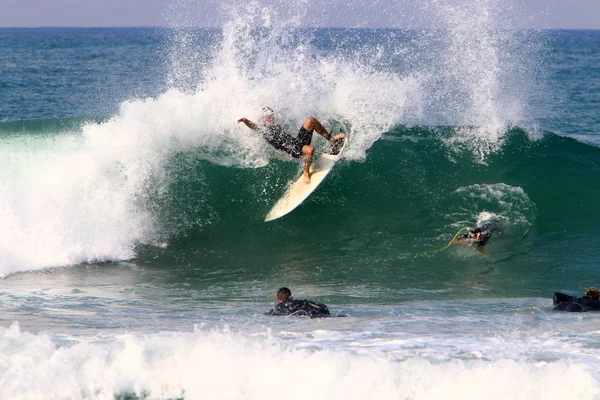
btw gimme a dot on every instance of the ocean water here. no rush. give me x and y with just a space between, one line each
135 262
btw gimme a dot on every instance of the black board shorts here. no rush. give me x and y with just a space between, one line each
295 145
276 136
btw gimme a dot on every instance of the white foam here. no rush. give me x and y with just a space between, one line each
485 73
61 205
225 365
279 67
511 205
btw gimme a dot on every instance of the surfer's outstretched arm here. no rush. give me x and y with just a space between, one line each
248 123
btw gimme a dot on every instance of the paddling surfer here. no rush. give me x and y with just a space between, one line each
287 305
589 302
295 146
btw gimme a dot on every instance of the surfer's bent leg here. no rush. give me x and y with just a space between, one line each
304 148
300 147
312 124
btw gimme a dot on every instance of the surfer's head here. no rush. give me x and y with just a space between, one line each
283 294
267 115
482 235
592 294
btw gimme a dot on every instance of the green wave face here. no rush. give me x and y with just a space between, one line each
383 219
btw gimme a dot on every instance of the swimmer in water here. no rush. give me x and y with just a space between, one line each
286 305
589 302
477 237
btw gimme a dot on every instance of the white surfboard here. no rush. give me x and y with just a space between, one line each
298 191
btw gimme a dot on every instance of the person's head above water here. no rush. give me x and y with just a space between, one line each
267 115
284 294
592 294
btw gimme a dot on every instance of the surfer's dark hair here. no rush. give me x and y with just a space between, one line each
480 229
267 111
283 294
592 294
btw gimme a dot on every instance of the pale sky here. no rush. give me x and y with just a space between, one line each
557 14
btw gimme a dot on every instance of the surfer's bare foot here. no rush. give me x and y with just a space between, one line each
306 177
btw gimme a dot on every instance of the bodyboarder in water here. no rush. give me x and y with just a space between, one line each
477 237
286 305
295 146
589 302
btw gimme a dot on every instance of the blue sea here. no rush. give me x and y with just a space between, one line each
135 262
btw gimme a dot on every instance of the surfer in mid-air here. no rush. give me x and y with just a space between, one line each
295 146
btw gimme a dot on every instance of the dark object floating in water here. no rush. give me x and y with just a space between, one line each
564 302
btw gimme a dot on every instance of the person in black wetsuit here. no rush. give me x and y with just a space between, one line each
477 237
286 305
295 146
589 302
